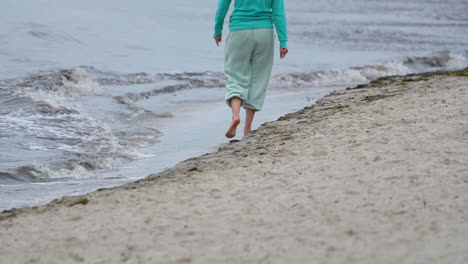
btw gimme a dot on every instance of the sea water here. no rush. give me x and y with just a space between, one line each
99 93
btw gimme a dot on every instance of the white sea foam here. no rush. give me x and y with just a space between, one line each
439 61
77 143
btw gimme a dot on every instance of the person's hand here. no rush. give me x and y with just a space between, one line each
218 39
283 52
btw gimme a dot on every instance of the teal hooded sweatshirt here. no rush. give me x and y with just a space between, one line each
251 14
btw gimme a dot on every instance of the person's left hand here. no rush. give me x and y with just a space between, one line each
283 52
218 39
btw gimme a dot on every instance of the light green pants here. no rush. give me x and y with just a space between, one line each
248 60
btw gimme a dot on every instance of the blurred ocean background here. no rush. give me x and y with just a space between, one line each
99 93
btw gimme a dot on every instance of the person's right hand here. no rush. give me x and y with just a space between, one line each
283 52
218 39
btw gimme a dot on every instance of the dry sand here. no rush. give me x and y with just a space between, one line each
373 174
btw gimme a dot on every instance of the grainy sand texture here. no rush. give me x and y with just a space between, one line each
372 174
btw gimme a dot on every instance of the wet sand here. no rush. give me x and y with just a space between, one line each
377 173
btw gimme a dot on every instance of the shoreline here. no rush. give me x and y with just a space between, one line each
174 145
360 165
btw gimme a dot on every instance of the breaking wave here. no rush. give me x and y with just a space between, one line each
444 60
53 136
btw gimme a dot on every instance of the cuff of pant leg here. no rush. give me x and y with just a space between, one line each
248 106
228 99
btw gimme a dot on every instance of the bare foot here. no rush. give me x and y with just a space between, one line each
232 128
247 131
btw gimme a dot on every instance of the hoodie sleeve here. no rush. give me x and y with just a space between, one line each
223 7
279 19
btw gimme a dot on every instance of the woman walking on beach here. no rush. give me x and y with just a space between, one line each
248 54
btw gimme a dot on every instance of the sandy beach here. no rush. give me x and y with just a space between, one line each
376 173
